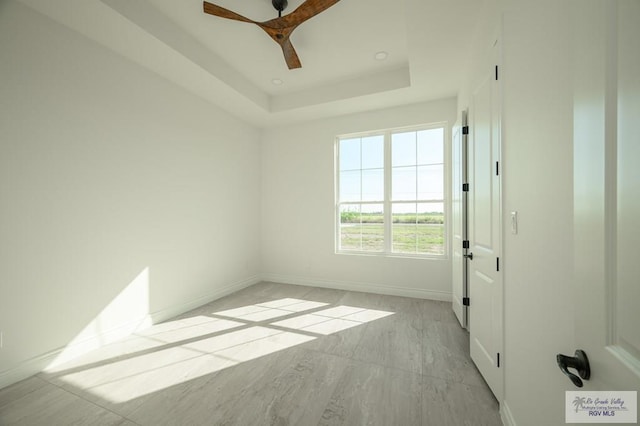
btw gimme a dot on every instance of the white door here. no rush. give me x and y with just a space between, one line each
607 192
459 219
485 279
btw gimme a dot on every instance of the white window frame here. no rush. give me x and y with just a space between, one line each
387 202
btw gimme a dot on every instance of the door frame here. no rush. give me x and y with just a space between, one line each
459 176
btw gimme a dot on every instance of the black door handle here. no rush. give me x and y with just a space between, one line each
468 256
579 362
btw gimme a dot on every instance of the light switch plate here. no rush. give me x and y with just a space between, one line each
514 222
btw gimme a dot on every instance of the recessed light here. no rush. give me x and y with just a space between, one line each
381 56
277 82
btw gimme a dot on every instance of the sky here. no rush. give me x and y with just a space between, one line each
417 171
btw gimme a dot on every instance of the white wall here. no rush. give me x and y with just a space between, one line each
538 183
111 179
298 231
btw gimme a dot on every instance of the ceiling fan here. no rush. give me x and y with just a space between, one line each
280 28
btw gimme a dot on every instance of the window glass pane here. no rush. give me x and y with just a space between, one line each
430 228
350 154
403 149
373 152
431 182
350 186
431 146
404 235
403 183
350 228
373 185
432 213
372 227
349 214
362 227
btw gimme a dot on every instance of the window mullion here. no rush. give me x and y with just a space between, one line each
387 193
360 206
415 226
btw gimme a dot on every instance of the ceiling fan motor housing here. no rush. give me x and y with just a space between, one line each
280 5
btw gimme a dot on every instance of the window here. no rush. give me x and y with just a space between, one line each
390 192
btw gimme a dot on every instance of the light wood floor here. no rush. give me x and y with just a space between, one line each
272 354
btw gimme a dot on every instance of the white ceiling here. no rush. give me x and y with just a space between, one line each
232 64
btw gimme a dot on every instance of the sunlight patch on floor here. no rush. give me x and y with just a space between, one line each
185 349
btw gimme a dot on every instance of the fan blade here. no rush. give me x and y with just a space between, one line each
281 36
216 10
307 10
290 55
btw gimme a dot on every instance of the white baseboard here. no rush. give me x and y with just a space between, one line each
27 368
506 416
360 286
173 311
40 363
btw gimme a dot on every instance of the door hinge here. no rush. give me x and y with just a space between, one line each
498 359
465 244
465 187
496 72
465 301
465 130
498 264
497 168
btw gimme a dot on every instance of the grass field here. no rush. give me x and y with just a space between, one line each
435 218
421 233
417 238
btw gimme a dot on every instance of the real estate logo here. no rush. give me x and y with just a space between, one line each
601 407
